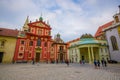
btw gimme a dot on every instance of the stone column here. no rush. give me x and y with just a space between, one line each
92 53
79 55
89 55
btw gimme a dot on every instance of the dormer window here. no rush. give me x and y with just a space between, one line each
116 19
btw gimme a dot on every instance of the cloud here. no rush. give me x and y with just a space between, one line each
7 25
68 5
18 5
70 18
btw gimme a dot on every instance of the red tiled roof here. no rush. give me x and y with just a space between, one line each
8 32
99 31
73 40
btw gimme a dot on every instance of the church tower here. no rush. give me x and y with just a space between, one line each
117 16
25 27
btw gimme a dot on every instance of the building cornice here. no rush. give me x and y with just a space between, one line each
114 25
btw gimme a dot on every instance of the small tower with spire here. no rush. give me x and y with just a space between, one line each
117 16
25 27
41 18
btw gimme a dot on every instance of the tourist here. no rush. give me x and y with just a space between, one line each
95 64
102 61
67 62
98 64
83 61
80 62
33 62
105 63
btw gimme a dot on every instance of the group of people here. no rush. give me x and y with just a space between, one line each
97 63
82 61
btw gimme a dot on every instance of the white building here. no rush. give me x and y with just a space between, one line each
112 34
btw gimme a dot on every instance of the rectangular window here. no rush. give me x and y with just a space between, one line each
61 47
31 43
72 51
49 33
101 50
75 50
52 45
2 43
39 32
116 19
45 44
22 42
106 50
38 42
21 48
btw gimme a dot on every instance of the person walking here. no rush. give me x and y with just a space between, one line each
80 62
98 64
67 62
33 62
105 63
102 61
95 64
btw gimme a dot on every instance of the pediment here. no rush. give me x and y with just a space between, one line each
40 24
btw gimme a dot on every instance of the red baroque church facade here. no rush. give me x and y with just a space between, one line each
34 41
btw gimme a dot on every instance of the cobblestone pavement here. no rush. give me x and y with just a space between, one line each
57 72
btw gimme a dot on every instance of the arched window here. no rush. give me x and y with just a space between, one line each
114 43
38 42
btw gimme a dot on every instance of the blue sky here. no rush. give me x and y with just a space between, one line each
70 18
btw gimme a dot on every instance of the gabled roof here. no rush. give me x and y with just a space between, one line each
8 32
99 31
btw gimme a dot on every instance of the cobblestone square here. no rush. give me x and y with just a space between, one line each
58 72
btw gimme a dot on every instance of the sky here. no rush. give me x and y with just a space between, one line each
69 18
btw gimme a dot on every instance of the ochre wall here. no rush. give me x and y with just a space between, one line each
8 49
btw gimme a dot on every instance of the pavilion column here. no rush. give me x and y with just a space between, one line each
92 53
79 55
89 55
99 57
